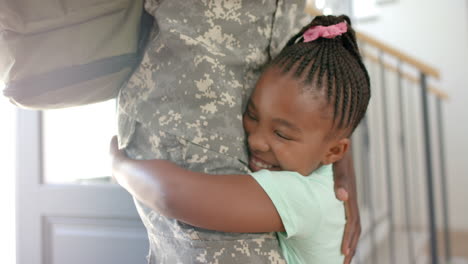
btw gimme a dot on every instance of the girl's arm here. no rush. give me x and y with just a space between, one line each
345 190
228 203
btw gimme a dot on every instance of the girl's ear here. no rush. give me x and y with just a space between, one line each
336 151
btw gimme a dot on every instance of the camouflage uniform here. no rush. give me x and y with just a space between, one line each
184 103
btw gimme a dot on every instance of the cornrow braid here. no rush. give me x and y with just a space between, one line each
334 61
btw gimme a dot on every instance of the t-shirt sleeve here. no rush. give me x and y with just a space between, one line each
296 202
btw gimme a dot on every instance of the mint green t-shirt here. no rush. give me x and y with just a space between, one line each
313 218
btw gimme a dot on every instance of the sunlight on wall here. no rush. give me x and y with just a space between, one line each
7 182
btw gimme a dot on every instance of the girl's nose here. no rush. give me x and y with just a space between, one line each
257 143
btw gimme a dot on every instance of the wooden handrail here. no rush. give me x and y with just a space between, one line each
401 56
428 70
405 75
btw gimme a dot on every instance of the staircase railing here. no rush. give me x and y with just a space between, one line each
399 146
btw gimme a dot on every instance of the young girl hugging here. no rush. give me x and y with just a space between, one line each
298 122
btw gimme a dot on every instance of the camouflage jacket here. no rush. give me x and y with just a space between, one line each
185 101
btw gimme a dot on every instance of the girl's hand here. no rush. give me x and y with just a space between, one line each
114 150
345 190
117 155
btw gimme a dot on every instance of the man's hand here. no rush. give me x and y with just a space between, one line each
345 190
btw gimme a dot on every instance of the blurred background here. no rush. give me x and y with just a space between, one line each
409 153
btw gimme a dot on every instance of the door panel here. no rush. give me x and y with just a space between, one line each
92 240
77 222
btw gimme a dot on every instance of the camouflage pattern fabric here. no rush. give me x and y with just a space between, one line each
184 103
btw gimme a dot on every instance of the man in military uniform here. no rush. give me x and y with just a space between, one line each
185 101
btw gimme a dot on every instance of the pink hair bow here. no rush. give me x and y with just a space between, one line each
332 31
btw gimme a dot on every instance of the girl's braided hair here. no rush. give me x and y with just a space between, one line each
336 61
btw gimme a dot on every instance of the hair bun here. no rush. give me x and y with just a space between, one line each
330 20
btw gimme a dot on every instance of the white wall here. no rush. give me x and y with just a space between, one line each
7 181
436 32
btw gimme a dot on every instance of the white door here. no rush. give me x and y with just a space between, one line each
68 211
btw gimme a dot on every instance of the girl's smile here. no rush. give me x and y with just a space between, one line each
256 164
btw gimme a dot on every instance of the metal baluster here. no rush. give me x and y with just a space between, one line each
368 181
368 189
404 163
429 174
388 166
416 171
443 180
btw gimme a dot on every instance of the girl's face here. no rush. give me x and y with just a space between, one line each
286 127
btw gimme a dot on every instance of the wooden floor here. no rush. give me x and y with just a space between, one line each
460 244
459 250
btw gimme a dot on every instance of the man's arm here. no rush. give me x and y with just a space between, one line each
345 190
229 203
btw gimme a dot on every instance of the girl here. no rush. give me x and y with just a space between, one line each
298 121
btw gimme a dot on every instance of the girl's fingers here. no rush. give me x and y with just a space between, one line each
113 144
114 147
354 243
351 251
347 232
345 245
351 234
349 258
